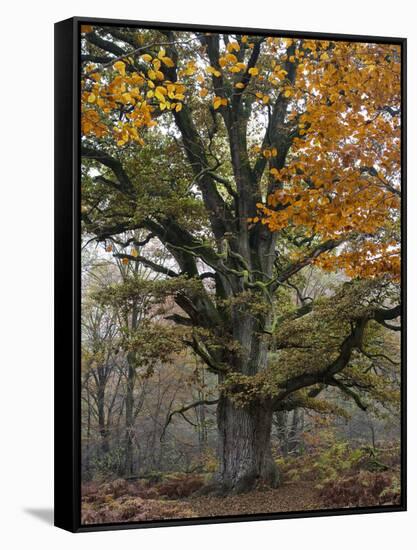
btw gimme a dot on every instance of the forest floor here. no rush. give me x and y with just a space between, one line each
118 502
178 495
289 497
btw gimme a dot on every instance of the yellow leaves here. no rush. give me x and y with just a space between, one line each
280 73
262 98
156 64
178 107
288 92
146 57
167 61
219 102
231 58
137 79
91 98
324 56
232 47
159 95
163 91
127 98
134 252
203 92
154 74
232 62
239 85
151 74
120 67
86 28
125 261
190 68
109 248
275 173
270 153
213 71
253 71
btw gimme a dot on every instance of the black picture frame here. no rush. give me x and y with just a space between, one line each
67 274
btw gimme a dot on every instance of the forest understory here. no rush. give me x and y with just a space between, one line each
348 479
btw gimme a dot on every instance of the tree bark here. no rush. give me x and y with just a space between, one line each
244 448
129 421
104 432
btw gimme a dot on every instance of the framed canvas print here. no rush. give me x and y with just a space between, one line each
230 288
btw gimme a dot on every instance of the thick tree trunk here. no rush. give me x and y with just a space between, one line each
244 448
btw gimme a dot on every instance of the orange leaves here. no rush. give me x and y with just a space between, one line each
367 260
91 123
326 188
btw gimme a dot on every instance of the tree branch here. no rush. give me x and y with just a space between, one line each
185 409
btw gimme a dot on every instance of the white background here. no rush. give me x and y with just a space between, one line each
26 287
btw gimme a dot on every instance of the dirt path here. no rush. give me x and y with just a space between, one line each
290 497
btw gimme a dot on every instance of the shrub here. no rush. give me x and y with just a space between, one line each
362 489
180 485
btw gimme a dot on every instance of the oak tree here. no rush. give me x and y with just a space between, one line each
248 159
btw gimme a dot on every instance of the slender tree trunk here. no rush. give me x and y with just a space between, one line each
130 399
129 426
102 426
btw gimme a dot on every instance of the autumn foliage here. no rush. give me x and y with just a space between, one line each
241 213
